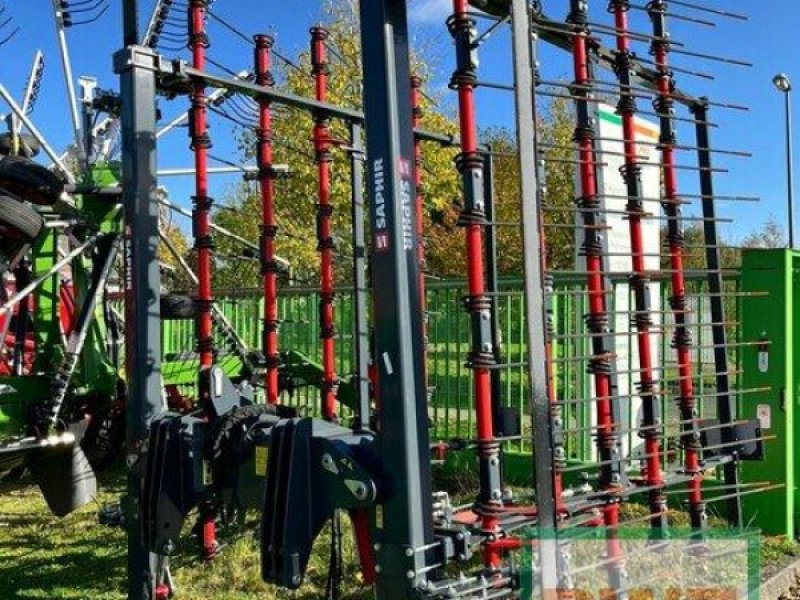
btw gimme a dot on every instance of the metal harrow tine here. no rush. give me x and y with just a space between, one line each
6 23
87 11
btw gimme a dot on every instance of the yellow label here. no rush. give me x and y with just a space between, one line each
262 453
379 516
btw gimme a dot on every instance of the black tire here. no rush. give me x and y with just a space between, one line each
30 181
176 306
19 225
28 146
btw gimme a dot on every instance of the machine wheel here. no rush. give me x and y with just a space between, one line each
28 146
30 181
19 225
176 306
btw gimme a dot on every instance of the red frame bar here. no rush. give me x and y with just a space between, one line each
682 339
269 228
606 436
322 147
653 474
597 301
198 44
476 287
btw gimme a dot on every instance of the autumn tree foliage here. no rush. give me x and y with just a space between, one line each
296 195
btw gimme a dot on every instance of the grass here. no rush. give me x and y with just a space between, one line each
76 558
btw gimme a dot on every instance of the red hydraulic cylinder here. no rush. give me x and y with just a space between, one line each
269 228
640 280
326 245
682 339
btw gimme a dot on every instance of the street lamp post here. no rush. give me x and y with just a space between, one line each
784 85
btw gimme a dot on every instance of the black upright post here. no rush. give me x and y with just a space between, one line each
726 404
405 520
524 61
360 289
134 65
130 22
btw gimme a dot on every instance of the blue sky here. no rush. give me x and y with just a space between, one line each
766 40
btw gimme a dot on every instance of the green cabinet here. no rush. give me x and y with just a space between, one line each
768 388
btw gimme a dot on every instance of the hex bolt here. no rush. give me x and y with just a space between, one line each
411 574
377 568
409 552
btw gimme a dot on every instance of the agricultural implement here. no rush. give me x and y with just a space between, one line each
663 419
378 468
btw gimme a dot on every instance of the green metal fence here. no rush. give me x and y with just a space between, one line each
450 380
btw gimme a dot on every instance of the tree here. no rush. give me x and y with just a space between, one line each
771 235
296 196
556 126
694 251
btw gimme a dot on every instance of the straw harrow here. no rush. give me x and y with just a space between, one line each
644 169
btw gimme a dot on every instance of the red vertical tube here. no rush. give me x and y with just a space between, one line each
597 320
269 228
635 213
204 243
469 161
201 142
596 292
416 106
682 339
326 247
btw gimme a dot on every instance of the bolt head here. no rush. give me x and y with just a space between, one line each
377 568
411 574
409 552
